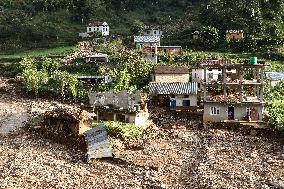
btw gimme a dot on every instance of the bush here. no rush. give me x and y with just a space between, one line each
274 97
120 129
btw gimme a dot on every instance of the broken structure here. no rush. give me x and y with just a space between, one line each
121 106
237 99
152 53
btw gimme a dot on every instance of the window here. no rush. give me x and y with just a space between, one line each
210 75
248 110
90 29
229 69
219 69
154 32
195 75
214 110
210 69
186 103
106 29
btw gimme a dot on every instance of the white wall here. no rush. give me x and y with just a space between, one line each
198 74
179 99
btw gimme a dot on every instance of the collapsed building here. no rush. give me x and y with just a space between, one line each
121 106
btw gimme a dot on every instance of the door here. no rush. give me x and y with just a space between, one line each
173 104
231 113
254 114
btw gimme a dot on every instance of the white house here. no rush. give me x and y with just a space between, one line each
197 74
100 27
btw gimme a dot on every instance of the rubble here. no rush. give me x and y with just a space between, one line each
176 151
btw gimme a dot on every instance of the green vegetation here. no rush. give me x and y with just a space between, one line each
58 51
274 97
46 78
120 129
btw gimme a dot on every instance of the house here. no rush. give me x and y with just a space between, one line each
170 74
152 53
212 74
153 32
176 96
239 100
195 35
92 27
146 41
234 34
121 106
274 77
96 58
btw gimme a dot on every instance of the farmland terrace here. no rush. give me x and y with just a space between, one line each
174 152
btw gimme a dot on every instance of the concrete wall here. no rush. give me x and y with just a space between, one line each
179 99
170 78
198 74
240 111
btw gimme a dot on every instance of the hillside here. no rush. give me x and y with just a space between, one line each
38 23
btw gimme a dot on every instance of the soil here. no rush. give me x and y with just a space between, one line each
176 151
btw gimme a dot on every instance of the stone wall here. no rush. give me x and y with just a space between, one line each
171 78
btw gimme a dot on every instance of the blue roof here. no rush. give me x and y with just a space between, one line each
172 88
275 76
146 39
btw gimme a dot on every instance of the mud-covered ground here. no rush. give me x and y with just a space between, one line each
175 152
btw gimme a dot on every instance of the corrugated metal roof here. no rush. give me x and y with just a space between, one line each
172 88
275 76
146 39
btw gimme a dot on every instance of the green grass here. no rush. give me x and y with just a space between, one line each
58 51
121 129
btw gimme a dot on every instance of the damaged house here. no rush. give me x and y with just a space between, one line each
171 88
234 99
152 53
212 74
121 106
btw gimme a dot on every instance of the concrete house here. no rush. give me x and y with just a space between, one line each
171 88
92 27
239 100
234 34
170 74
274 77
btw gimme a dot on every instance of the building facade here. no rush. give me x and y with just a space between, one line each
239 100
170 74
